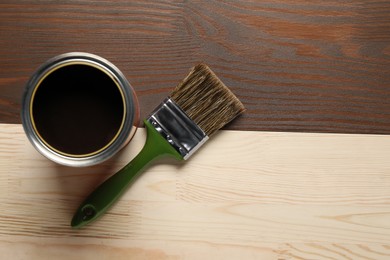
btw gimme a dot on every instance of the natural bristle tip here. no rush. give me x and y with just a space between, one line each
206 99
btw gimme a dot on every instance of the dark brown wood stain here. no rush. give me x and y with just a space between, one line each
312 66
78 109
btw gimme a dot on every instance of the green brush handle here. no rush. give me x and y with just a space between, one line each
100 200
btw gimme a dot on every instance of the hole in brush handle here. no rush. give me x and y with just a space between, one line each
89 212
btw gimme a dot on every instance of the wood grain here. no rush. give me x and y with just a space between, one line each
245 195
312 66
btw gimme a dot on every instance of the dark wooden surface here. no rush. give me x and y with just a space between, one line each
311 66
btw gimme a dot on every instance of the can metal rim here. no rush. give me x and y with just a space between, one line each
129 122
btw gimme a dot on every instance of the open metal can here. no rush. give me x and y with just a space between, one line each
78 109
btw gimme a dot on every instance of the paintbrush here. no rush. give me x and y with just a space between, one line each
199 106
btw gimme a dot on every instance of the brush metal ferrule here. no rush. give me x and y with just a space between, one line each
177 128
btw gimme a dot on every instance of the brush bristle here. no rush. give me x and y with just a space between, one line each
206 100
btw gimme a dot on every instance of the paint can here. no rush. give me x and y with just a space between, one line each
78 109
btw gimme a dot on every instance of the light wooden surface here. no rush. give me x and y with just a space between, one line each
245 195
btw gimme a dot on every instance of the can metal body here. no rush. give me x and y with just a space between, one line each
129 120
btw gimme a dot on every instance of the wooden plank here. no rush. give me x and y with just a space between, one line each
252 195
312 66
